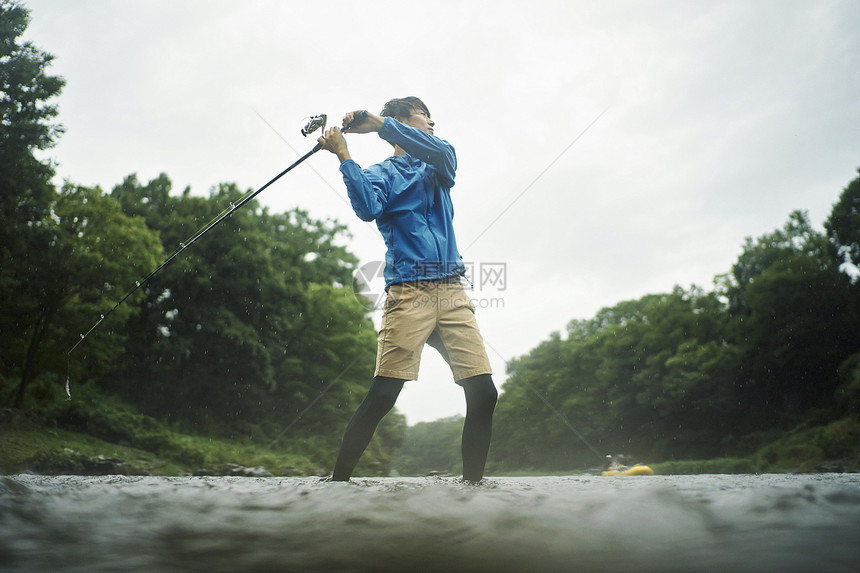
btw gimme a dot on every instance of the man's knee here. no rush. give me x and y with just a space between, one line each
384 391
481 390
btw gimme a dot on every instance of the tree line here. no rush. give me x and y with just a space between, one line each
695 374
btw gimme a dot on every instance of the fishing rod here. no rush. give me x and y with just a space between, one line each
314 122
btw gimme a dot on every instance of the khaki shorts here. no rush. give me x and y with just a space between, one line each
437 313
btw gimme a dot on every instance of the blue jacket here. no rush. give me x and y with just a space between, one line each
409 196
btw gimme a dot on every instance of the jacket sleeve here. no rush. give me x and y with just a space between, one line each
368 193
428 148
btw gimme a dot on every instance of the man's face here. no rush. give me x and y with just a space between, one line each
420 120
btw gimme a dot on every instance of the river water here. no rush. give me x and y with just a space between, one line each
762 523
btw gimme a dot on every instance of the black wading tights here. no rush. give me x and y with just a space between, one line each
481 398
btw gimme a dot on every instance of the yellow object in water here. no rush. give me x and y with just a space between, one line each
637 470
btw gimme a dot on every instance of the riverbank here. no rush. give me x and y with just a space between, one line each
30 442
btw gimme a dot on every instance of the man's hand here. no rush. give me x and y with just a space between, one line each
333 141
371 122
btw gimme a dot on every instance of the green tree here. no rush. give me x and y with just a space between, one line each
26 192
25 90
94 251
796 317
843 231
796 238
843 225
26 195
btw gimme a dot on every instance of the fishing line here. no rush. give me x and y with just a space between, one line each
313 123
493 222
314 401
535 180
563 419
552 408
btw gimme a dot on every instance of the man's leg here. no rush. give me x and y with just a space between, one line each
481 396
380 399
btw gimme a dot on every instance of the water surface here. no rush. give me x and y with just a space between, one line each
577 523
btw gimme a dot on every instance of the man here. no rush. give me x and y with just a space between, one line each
409 197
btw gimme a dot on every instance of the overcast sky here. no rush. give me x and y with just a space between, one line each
714 120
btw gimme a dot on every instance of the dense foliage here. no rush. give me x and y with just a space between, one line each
248 333
693 374
249 324
30 239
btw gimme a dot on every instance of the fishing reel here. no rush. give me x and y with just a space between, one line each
314 123
318 122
